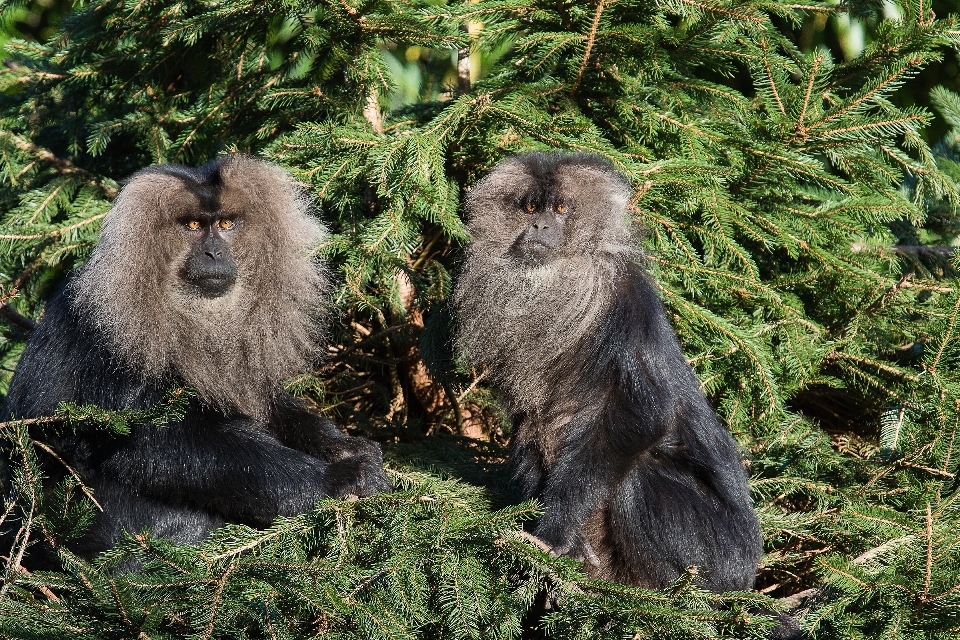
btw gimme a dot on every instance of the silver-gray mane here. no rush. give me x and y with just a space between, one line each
237 349
505 307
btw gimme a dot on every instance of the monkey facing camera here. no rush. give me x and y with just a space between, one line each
637 476
202 278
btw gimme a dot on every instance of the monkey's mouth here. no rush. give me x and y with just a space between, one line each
530 252
213 286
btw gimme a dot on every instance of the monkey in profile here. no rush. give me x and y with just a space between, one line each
201 278
637 476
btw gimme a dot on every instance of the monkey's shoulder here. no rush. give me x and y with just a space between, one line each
67 359
634 327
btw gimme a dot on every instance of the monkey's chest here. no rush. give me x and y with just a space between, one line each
545 434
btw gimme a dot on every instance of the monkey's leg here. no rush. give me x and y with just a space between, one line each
668 515
127 511
579 483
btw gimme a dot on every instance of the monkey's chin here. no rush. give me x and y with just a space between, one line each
211 287
531 254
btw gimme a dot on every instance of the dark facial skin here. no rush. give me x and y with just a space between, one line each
547 216
210 267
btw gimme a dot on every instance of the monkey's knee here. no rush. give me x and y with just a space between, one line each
126 512
662 525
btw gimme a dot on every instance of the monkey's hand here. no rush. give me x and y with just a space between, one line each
360 473
566 541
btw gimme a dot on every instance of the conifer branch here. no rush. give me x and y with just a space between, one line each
953 435
591 38
799 129
710 8
773 82
929 544
775 250
214 605
951 324
56 233
874 91
70 470
64 167
872 127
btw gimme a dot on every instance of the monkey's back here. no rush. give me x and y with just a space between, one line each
684 498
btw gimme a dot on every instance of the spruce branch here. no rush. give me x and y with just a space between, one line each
951 324
872 92
56 233
63 166
83 487
588 48
772 81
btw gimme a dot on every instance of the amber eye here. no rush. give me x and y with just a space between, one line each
193 225
561 208
225 223
531 207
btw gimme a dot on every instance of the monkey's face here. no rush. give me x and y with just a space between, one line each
204 225
538 208
544 219
210 268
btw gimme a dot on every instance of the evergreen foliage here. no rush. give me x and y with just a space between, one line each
798 223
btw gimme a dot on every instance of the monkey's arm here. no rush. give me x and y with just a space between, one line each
233 468
358 459
295 425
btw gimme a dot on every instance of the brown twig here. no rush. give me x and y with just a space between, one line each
215 604
906 249
42 588
16 318
535 541
11 314
76 477
30 421
65 167
794 601
929 536
371 111
590 40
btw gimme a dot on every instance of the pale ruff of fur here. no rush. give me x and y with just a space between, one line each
267 325
499 300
